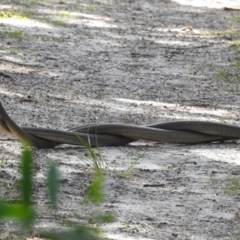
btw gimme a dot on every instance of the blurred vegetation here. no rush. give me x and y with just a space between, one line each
25 212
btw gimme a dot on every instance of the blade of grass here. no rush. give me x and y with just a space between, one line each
53 184
133 164
94 192
26 181
21 212
96 160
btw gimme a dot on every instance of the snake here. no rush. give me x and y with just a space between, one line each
118 134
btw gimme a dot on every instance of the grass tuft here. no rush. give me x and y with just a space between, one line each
12 14
94 193
67 15
233 186
94 159
24 212
58 23
127 172
15 34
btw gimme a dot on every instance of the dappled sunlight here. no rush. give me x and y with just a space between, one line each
175 106
225 153
28 23
48 17
208 3
91 20
70 17
68 64
6 92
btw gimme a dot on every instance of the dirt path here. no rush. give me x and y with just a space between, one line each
140 62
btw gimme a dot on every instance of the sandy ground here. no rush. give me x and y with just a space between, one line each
138 62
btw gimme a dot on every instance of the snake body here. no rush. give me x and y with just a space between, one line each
180 132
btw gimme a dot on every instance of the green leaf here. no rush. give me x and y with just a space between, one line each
26 182
95 190
96 159
133 164
53 184
21 212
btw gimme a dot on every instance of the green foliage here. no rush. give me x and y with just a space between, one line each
236 19
58 23
53 184
107 218
233 186
12 14
91 8
127 172
26 181
24 212
232 33
223 76
14 51
50 38
15 34
98 163
237 64
237 216
67 15
94 192
231 76
235 44
34 2
190 27
95 159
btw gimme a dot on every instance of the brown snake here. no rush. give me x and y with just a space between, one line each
180 132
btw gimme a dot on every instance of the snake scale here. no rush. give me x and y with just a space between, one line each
179 132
